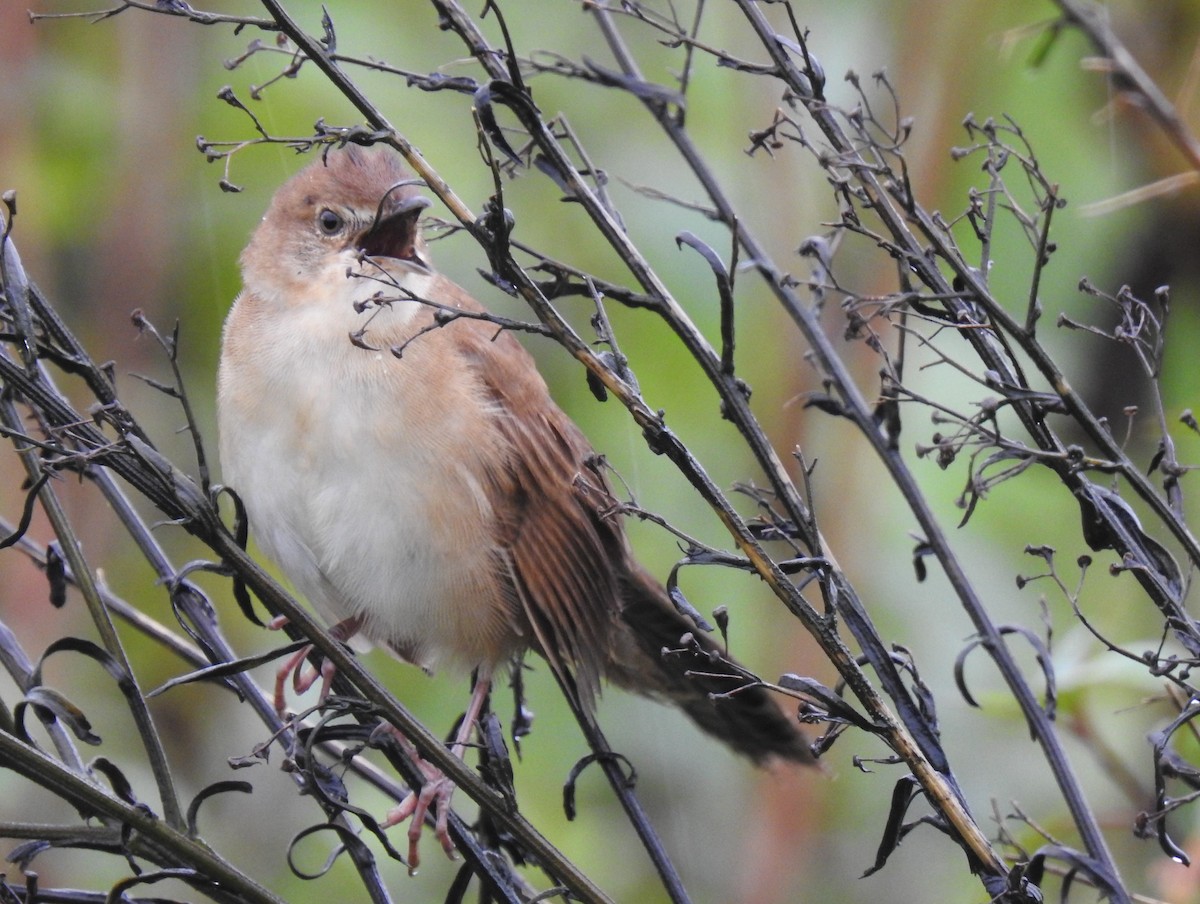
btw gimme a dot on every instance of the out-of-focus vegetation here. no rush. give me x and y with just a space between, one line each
120 211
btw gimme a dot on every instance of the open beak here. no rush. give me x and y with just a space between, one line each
395 235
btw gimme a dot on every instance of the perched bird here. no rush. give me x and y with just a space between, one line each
403 463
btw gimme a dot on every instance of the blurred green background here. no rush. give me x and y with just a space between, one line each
119 211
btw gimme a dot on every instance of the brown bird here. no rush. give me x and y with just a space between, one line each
437 501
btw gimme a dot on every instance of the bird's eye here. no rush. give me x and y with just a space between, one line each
330 222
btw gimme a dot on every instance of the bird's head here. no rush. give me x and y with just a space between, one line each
350 203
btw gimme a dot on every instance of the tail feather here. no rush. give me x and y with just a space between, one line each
751 721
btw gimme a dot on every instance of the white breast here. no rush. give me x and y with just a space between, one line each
350 475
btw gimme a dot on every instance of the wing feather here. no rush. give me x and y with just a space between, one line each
561 551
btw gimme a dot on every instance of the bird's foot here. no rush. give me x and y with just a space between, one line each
436 789
434 793
293 667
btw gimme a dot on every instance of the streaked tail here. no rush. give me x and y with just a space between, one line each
751 721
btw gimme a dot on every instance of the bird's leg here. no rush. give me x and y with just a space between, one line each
437 788
294 665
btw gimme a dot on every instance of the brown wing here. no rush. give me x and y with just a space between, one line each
591 610
563 556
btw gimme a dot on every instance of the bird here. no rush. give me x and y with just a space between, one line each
401 460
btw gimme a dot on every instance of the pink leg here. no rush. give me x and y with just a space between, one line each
294 665
437 789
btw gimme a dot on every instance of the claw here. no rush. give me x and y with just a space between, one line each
436 793
294 665
436 789
291 667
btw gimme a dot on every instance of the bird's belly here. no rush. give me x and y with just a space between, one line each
369 525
